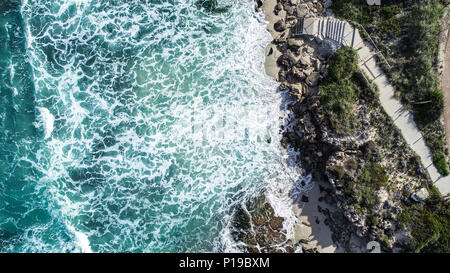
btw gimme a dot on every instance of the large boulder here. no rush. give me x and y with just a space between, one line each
327 3
305 60
278 8
295 44
298 73
290 10
302 10
285 61
279 26
420 195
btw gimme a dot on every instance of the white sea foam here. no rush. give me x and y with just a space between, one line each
164 115
47 121
81 239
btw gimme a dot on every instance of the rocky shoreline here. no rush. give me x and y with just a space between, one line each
374 151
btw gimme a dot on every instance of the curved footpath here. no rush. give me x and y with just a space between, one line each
345 34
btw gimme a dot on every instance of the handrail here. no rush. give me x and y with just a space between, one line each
371 40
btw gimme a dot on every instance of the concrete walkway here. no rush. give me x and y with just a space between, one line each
343 33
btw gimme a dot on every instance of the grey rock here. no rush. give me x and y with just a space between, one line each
279 26
308 71
302 10
294 43
298 73
305 60
313 79
290 10
327 3
406 189
420 195
387 205
397 210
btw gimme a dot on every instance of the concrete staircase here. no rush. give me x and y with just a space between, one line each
329 28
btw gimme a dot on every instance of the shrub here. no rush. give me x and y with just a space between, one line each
367 197
342 65
351 164
337 95
390 11
373 175
337 100
338 170
433 109
441 163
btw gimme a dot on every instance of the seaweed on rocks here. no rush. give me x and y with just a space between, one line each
259 230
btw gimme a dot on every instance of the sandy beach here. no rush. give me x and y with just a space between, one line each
311 229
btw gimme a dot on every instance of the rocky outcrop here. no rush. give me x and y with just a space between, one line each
259 230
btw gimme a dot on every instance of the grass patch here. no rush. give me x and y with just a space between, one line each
374 175
441 163
337 92
429 224
363 189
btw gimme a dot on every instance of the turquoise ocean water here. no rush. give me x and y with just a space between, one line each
133 126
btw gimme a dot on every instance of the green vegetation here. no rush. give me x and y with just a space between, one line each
407 34
422 46
366 197
339 171
440 163
342 65
363 189
429 224
373 175
337 93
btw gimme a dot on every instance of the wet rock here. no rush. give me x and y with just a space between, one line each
305 199
259 3
256 225
276 223
279 26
